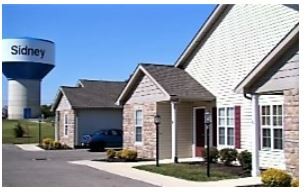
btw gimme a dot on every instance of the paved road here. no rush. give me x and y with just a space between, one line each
19 169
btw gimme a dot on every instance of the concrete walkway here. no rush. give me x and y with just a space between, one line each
126 170
30 147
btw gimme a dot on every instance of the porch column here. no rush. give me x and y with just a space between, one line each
173 132
256 136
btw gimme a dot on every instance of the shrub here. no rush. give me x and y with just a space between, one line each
294 183
129 155
57 145
19 130
276 178
47 143
111 153
245 159
228 155
213 154
118 154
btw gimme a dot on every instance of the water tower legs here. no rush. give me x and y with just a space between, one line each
23 98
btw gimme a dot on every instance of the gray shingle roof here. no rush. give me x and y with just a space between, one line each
178 82
94 94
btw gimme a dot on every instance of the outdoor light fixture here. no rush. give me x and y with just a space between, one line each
157 119
157 122
207 123
207 118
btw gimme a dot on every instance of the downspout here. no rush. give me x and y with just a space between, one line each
255 133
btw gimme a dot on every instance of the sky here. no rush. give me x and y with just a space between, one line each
104 42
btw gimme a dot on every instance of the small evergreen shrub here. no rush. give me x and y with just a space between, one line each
294 183
245 159
119 154
129 154
276 178
47 143
110 153
19 131
213 154
228 155
57 145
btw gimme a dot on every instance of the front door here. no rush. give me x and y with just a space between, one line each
199 126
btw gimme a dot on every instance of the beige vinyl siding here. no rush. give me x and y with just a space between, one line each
184 130
286 77
146 91
164 110
242 39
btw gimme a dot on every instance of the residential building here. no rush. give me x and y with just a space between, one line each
230 44
86 108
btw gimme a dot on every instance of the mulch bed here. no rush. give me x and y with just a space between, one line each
115 160
236 170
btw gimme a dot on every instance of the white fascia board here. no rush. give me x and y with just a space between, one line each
268 60
203 31
127 87
156 83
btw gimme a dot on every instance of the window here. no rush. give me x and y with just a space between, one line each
272 127
65 124
226 126
138 126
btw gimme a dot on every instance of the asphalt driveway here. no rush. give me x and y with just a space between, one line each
51 169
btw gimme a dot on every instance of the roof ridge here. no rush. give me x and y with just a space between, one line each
104 81
156 64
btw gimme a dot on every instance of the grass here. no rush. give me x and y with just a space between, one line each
31 136
194 171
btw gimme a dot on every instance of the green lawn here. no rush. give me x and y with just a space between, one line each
194 172
8 136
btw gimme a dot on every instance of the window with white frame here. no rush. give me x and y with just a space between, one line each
138 125
272 127
65 124
226 126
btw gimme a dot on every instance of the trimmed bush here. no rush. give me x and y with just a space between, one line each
228 155
276 178
294 183
19 131
110 153
118 154
57 145
213 154
245 159
47 143
129 155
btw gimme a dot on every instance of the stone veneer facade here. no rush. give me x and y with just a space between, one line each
68 139
291 132
146 149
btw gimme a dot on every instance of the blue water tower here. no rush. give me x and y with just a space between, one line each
26 61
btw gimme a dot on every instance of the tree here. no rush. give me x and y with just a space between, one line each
46 111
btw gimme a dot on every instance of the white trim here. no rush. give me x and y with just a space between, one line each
225 145
204 31
269 59
156 83
135 127
66 124
271 127
194 137
131 81
173 131
255 130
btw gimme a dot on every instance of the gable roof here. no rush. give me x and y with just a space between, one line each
215 17
91 94
269 60
173 82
